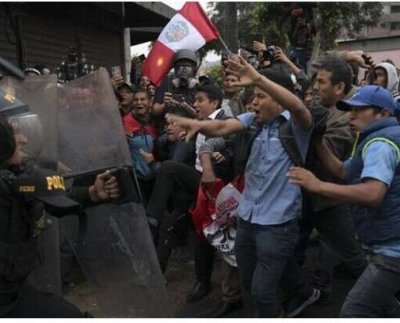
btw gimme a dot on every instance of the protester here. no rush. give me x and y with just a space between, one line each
178 89
232 103
125 93
332 218
173 177
173 230
372 185
144 81
268 229
140 131
385 75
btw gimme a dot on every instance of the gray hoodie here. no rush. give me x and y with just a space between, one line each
392 78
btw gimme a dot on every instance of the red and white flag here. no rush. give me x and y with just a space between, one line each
190 29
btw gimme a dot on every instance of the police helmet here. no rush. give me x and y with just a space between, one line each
186 54
7 140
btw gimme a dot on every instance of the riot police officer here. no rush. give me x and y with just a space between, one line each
25 192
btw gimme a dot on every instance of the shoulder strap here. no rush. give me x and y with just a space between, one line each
289 143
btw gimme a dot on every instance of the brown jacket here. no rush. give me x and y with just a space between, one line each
339 139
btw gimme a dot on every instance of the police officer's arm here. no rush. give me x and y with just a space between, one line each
250 77
210 128
369 193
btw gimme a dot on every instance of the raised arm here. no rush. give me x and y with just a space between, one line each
249 76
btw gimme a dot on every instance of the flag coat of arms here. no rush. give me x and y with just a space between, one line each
190 29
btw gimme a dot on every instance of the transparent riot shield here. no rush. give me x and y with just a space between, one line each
114 248
40 132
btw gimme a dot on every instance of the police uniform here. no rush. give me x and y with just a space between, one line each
20 215
20 223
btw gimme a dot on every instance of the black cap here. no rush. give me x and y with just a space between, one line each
126 85
280 77
7 140
46 186
214 91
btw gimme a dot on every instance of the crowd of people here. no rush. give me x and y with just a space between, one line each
317 152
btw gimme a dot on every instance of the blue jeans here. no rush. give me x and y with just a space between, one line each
265 257
373 295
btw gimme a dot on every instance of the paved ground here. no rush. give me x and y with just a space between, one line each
180 279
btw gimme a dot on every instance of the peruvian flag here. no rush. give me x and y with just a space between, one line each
188 29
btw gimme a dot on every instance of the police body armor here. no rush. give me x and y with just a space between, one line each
18 249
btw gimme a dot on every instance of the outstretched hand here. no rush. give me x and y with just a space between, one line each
191 126
304 178
246 73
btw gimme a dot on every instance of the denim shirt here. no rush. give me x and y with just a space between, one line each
268 197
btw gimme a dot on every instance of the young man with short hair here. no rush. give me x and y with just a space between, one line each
140 131
332 218
270 205
173 178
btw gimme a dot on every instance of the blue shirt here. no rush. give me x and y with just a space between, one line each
380 162
268 198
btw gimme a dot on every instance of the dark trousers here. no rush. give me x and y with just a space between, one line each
171 178
337 229
373 295
174 230
338 242
230 283
32 303
203 260
265 257
204 265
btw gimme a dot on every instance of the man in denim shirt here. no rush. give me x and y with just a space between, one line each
270 206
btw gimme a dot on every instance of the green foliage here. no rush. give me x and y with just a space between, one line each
353 16
216 73
247 34
256 19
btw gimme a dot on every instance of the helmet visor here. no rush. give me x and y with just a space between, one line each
28 134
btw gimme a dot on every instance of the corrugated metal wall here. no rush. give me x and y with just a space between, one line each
7 49
47 32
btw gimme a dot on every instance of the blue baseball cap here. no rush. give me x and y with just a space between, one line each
369 96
